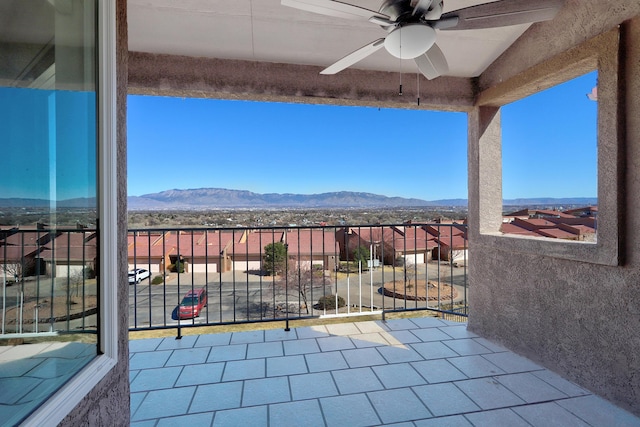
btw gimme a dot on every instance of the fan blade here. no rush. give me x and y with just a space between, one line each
429 10
335 9
433 63
503 13
354 57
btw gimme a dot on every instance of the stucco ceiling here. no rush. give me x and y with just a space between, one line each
264 30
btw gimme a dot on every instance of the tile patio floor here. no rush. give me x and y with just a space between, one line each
405 372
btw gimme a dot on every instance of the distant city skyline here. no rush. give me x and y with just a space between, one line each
549 147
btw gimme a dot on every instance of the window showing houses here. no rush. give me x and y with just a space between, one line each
49 258
549 162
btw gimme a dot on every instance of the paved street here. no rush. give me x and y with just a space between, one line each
238 296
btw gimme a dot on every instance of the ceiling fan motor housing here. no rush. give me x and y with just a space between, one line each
410 41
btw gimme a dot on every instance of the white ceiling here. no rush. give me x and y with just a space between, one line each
264 30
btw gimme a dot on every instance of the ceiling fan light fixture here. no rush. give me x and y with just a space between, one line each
410 41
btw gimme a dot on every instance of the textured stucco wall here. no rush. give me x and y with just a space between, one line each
577 317
181 76
108 403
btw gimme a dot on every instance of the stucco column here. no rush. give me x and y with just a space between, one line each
485 171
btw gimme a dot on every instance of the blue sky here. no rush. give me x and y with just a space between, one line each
48 144
549 145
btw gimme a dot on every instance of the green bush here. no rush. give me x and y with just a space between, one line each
328 302
157 280
178 267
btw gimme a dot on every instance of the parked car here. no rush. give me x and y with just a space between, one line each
137 275
192 304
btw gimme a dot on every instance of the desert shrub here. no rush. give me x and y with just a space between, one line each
89 273
328 302
178 267
157 279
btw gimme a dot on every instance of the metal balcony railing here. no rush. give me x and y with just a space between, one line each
185 277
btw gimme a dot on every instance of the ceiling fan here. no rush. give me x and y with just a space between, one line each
412 25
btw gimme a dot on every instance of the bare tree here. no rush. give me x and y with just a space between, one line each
297 278
16 270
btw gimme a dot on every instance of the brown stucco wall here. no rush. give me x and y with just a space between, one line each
580 318
182 76
108 403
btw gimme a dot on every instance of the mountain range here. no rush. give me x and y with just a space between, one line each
221 198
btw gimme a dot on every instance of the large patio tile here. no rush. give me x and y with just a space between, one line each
247 337
371 326
229 352
265 390
598 412
164 403
255 417
400 337
399 354
147 360
354 410
213 397
310 386
335 343
499 417
549 415
356 380
301 346
398 405
445 399
188 356
211 340
512 363
172 343
135 401
318 331
265 349
360 357
286 365
280 335
155 379
206 373
318 362
203 419
434 350
438 371
150 344
495 347
458 331
293 414
400 324
488 393
530 388
244 369
567 387
398 375
466 347
369 339
475 366
430 334
428 322
451 421
343 329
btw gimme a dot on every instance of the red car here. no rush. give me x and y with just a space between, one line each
192 304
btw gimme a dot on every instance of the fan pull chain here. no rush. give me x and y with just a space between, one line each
400 92
418 86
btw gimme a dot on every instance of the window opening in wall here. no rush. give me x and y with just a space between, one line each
282 204
549 162
48 199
